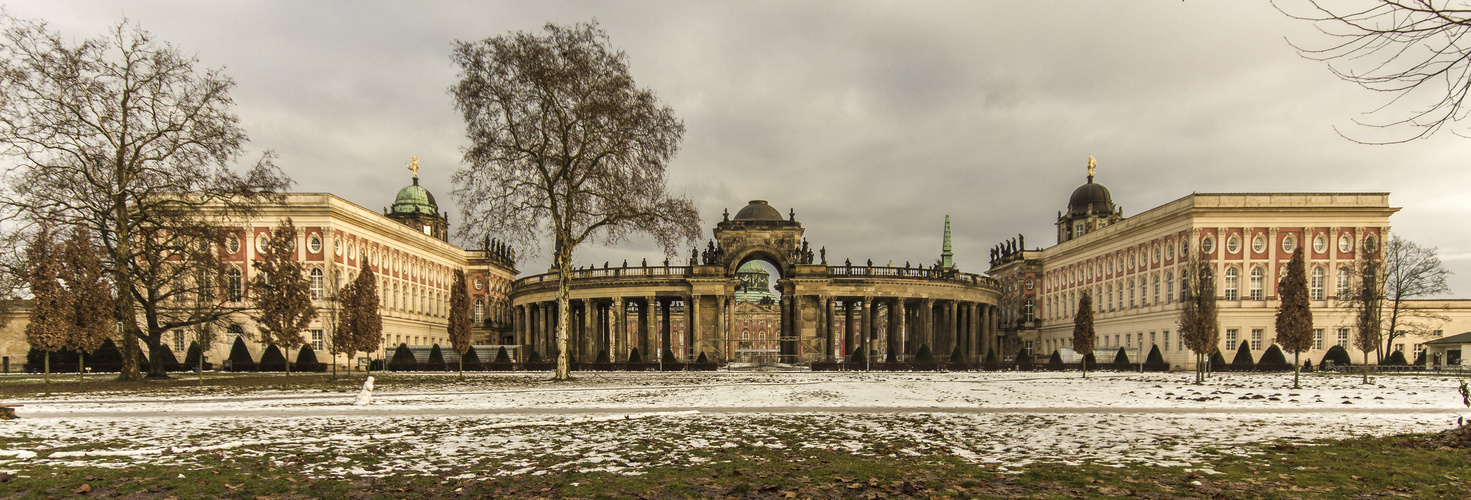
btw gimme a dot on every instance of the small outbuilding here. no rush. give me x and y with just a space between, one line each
1447 351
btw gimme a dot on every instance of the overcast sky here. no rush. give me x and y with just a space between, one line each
872 120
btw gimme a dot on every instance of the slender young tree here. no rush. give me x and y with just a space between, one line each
1366 306
563 141
367 320
459 318
93 314
1295 314
282 293
344 336
1199 330
332 314
108 133
51 308
1083 333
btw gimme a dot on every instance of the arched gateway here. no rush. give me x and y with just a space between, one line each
827 312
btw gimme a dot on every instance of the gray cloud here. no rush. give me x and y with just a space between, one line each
872 120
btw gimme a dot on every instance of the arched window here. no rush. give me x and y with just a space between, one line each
1169 288
206 285
235 282
1316 282
316 284
1257 275
1344 277
479 310
1109 291
1155 298
1029 311
1132 302
1233 284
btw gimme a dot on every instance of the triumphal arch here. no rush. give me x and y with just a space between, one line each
827 311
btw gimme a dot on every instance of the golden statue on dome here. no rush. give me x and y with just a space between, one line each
1092 164
414 167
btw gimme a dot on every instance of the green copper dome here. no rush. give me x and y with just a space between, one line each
415 199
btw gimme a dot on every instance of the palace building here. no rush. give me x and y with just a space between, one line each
1133 267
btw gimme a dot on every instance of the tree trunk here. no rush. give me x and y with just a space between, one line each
564 291
288 366
201 366
81 368
124 282
1296 369
156 369
1366 367
462 366
46 372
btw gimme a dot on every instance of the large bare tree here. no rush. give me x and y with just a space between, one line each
282 294
1413 50
109 133
1295 314
1365 305
1410 272
563 141
1199 328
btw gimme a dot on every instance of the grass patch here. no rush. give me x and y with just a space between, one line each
1401 466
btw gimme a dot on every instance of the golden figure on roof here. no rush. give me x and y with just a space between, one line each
414 167
1092 164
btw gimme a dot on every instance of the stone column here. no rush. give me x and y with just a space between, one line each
953 328
927 322
645 319
692 319
902 350
848 327
666 329
718 332
619 351
830 315
868 332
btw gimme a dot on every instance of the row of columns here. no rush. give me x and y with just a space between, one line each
598 325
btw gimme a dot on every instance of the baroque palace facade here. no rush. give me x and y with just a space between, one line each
719 302
1133 269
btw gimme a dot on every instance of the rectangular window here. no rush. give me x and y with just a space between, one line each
1438 333
1343 337
1132 302
179 346
1317 339
1399 347
1231 334
1256 339
316 340
1166 345
1029 348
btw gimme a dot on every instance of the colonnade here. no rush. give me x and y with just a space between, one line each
878 325
596 326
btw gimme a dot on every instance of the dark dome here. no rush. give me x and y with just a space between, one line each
758 210
1090 197
415 199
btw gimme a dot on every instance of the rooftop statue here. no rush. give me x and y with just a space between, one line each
1092 164
414 167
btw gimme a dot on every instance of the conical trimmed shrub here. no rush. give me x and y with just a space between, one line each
240 360
1121 358
106 355
990 356
956 356
191 357
1022 356
890 357
1154 357
1090 361
1243 360
436 359
634 357
166 356
1338 355
602 357
1218 362
668 356
1396 358
471 359
702 359
1274 360
533 357
272 360
1420 358
501 356
1056 358
924 355
403 359
306 360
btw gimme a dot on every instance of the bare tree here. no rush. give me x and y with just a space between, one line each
1199 328
1083 333
459 318
108 133
344 335
332 315
92 301
282 294
1295 314
562 140
1411 49
1411 271
51 311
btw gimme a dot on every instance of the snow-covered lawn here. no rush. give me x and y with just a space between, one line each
631 423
